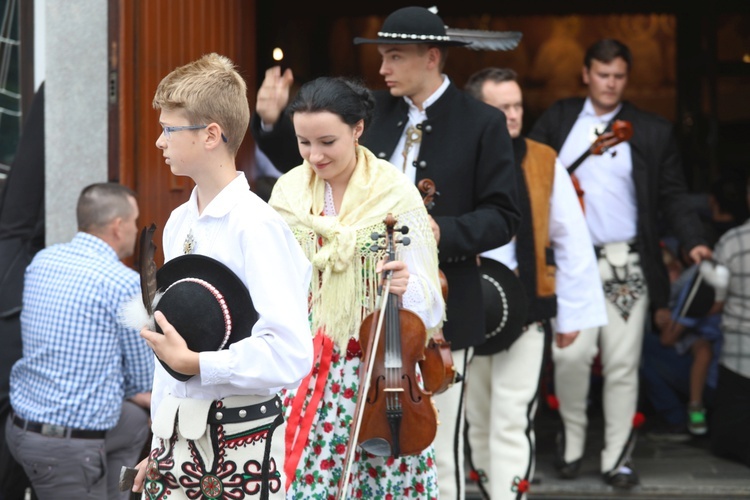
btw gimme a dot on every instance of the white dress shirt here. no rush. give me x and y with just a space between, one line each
607 181
580 300
240 230
416 116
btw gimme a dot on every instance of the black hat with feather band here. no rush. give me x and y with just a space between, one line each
410 25
202 298
206 303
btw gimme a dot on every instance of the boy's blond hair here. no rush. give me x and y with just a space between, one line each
208 90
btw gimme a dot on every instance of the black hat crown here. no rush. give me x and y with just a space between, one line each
412 25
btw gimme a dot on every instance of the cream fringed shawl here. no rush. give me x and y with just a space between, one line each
343 290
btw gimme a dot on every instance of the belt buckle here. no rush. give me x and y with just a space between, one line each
617 253
51 430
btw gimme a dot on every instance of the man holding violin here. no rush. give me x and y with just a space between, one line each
626 190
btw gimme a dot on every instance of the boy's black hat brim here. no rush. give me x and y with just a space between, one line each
196 312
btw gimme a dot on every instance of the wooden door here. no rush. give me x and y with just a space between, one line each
152 37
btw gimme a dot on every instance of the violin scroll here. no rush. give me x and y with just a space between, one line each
429 192
621 131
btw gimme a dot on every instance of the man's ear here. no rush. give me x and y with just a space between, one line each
115 227
215 136
433 57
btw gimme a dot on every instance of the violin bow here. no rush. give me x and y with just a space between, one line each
364 388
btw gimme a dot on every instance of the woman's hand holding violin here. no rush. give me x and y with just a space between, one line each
400 278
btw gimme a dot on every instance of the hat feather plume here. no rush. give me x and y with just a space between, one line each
148 267
484 39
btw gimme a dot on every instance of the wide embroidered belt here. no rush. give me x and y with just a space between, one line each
194 415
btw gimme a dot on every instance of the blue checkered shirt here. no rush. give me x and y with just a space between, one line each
79 361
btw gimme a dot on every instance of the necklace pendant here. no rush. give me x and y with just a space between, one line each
189 245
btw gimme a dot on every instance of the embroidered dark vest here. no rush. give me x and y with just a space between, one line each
535 256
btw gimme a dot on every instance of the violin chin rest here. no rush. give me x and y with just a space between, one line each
377 446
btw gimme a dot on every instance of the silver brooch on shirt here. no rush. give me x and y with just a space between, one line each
188 246
413 136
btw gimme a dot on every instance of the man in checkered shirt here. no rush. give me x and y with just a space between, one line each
730 428
79 392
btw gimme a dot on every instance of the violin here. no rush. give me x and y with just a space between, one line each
438 370
394 416
621 131
429 192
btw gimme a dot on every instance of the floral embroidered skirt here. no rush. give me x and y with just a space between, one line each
320 453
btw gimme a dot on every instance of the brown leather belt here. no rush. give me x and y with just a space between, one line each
58 431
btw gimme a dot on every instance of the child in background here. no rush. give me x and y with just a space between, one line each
680 365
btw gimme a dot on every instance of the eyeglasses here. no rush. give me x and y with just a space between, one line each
168 130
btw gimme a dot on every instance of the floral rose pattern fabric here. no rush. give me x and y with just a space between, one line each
322 462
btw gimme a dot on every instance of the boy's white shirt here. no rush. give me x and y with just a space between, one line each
240 230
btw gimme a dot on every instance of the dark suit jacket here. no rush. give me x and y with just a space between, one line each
659 181
21 236
466 151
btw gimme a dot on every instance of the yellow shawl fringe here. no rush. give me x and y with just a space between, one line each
343 288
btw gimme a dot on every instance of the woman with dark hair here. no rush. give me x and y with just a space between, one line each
333 202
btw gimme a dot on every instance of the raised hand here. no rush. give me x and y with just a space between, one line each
273 95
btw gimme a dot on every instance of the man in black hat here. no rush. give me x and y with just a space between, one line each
554 259
428 128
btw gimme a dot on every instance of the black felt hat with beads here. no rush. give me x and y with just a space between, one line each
206 302
412 25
